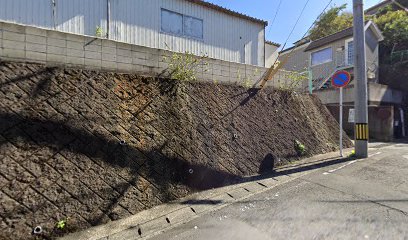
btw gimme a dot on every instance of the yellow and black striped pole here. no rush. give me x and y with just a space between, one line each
361 131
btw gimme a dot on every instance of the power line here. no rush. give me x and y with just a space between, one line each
324 10
276 14
268 74
297 21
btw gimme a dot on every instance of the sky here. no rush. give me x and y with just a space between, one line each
279 30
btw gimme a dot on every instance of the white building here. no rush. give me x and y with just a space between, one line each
271 53
195 26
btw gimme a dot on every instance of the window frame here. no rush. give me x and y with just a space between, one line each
183 34
161 21
346 49
202 27
319 50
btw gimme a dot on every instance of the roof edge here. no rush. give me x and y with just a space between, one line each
228 11
368 24
273 43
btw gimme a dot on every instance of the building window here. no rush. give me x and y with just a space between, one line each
350 53
179 24
322 56
171 22
193 27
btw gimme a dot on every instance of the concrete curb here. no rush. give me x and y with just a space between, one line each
153 221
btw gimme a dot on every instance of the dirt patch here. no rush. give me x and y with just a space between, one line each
90 147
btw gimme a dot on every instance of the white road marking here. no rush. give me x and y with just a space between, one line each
405 156
349 163
374 154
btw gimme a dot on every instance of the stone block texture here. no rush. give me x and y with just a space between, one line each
92 147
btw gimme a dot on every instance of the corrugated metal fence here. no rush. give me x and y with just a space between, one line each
74 16
138 22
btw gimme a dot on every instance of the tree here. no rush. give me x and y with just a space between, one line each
391 20
330 22
394 26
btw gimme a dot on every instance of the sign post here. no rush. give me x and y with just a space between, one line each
339 80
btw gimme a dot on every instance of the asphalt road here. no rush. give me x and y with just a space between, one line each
363 199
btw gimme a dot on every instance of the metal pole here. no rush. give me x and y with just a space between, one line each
310 81
360 82
402 122
341 121
108 18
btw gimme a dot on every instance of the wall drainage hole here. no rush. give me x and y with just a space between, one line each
230 195
167 220
192 209
263 185
246 190
139 231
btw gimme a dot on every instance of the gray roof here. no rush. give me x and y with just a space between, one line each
228 11
329 39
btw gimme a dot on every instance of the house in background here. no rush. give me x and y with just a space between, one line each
323 57
335 52
195 26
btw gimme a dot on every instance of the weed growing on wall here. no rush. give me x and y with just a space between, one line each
292 81
61 224
98 31
185 66
300 148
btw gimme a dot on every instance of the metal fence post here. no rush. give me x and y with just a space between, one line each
310 81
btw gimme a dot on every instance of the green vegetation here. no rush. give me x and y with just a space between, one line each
61 224
98 31
185 66
394 26
331 22
300 148
392 21
294 80
352 154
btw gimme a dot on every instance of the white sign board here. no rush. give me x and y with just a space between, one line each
351 115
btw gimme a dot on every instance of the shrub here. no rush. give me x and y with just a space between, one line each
185 66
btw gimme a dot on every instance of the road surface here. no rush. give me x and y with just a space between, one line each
362 199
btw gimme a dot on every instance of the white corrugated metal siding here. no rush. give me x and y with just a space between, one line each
139 22
29 12
81 16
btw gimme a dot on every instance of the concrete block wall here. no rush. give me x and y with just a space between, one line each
31 44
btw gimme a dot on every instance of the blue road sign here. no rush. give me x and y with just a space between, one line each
341 79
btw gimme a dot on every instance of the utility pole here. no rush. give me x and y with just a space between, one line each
360 82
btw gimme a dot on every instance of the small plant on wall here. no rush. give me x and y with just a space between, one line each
300 148
292 81
185 66
98 31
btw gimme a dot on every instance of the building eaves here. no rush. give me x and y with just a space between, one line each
297 44
228 11
272 43
329 39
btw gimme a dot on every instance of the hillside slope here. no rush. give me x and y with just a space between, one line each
92 147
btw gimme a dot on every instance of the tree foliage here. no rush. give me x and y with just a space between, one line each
332 21
394 26
392 21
